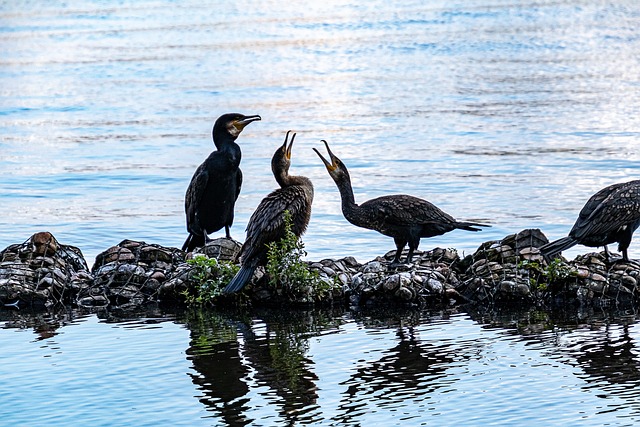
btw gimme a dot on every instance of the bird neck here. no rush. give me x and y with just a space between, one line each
286 180
349 205
223 139
282 177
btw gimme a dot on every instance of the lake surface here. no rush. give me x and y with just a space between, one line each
320 368
513 113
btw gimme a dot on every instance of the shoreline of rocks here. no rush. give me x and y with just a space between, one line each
41 272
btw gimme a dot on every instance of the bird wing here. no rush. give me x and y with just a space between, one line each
266 224
595 201
238 182
194 195
402 209
620 207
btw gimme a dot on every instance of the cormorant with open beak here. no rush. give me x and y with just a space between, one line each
405 218
267 223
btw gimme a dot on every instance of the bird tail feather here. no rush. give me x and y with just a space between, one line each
240 279
192 242
557 246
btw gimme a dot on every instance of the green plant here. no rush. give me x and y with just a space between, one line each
285 268
555 271
211 276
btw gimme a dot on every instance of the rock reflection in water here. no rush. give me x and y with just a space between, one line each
601 344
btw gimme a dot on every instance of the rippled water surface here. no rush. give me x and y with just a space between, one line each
508 112
320 368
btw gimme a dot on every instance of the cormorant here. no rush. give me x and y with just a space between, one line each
611 215
405 218
215 185
267 225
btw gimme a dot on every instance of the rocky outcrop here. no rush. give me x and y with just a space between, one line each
130 274
41 272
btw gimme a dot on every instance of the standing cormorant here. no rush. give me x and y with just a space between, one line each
215 185
267 224
405 218
611 215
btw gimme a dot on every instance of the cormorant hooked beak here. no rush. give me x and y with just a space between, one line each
330 166
287 150
242 123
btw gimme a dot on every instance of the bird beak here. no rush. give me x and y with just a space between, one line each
287 150
242 123
330 166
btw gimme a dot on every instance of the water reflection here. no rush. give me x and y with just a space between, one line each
262 369
45 325
215 353
338 367
409 369
603 344
233 354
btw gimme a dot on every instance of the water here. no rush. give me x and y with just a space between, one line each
320 368
508 112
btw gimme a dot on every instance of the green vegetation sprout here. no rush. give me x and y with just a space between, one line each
287 271
211 275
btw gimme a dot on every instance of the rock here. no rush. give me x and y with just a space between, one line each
373 267
133 273
44 243
222 249
42 272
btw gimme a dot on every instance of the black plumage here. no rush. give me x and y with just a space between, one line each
211 196
405 218
267 224
609 216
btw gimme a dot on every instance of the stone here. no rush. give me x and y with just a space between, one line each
373 267
43 243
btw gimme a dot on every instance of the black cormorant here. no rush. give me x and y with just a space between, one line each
405 218
215 185
611 215
267 225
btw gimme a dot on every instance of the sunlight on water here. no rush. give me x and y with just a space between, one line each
107 111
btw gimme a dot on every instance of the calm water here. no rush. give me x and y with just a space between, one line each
509 112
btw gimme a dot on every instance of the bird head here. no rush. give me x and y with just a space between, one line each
337 170
231 124
281 159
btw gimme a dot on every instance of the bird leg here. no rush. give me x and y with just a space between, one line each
399 247
227 231
410 255
396 259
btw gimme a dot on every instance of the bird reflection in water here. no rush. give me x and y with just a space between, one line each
233 354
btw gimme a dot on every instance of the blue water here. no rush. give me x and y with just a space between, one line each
320 368
508 112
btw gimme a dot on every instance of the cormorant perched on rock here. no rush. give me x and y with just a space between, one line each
267 224
611 215
405 218
215 185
